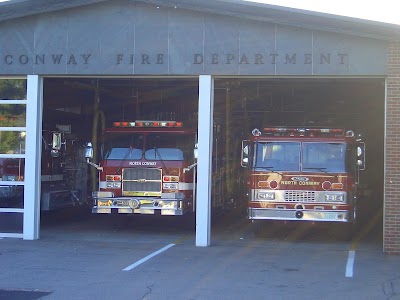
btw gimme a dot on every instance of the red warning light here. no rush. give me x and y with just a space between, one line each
273 184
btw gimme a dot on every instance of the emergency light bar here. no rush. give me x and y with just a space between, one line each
148 124
283 131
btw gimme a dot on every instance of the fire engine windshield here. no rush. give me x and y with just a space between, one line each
324 157
168 147
150 146
305 156
123 146
124 153
278 156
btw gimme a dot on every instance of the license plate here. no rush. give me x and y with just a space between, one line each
329 215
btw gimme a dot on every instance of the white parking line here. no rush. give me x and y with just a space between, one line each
350 263
134 265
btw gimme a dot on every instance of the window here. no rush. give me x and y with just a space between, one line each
278 156
324 157
13 100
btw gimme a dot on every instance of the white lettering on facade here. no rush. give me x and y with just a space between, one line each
142 163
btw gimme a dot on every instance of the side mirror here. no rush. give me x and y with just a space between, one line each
245 153
361 156
89 150
89 155
195 151
56 143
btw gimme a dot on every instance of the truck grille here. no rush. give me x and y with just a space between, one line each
300 196
141 180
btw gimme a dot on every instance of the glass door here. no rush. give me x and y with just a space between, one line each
13 104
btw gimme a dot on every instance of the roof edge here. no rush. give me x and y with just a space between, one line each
22 8
290 17
234 8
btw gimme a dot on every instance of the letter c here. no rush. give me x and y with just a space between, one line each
8 59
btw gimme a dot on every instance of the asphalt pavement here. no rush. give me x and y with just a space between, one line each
92 257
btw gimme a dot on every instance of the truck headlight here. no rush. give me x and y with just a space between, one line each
117 185
266 195
113 184
170 185
334 197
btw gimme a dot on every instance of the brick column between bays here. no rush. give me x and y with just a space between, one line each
391 222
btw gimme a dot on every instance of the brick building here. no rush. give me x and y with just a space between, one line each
391 211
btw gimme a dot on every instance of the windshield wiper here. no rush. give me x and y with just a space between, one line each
123 159
161 160
320 169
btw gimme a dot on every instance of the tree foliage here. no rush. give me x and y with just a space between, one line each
12 115
12 89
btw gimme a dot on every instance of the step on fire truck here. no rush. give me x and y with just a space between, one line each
146 167
307 174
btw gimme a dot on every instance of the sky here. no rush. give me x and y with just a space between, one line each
382 11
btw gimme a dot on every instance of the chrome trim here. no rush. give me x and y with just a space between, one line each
303 196
307 215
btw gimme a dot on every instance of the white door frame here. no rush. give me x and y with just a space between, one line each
204 160
31 227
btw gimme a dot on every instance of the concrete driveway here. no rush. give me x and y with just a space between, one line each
94 258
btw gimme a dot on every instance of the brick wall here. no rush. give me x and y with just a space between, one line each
391 223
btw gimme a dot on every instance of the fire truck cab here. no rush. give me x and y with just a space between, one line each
146 167
303 174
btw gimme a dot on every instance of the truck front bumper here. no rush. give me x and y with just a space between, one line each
147 206
299 215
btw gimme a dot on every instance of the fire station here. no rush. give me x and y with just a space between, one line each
70 69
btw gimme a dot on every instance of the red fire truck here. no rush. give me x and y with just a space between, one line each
61 166
63 172
146 167
11 170
308 174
